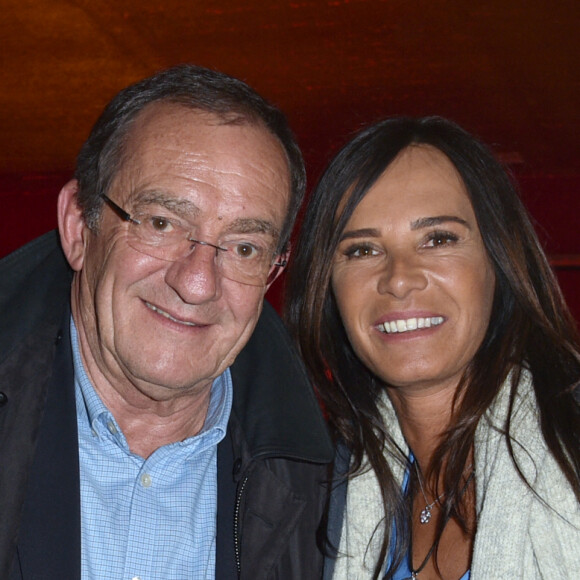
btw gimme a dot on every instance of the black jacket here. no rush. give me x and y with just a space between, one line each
271 466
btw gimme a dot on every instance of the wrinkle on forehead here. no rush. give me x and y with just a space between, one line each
206 165
213 165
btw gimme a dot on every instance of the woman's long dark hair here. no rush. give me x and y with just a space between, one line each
530 325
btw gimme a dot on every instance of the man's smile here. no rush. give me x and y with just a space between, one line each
168 316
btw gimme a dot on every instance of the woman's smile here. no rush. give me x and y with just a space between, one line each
409 324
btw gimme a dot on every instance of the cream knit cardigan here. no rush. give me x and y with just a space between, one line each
518 535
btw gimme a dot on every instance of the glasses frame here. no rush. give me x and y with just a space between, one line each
127 217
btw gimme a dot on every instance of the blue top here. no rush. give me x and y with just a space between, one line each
145 519
404 572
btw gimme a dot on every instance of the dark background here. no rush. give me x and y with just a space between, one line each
507 70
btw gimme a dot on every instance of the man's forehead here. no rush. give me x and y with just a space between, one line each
204 136
186 160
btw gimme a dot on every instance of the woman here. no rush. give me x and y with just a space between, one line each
446 360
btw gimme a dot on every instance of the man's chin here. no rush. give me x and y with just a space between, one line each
163 384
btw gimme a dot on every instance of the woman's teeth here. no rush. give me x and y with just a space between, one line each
410 324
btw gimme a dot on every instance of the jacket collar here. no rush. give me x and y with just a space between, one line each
273 398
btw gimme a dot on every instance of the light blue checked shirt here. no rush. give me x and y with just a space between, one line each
151 519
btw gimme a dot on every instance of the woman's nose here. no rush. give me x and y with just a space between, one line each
401 275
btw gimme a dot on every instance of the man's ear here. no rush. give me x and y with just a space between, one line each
71 225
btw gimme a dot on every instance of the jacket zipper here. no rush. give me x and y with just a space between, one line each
237 547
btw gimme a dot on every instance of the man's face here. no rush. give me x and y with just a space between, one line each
170 328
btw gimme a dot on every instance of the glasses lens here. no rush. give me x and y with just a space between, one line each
245 262
165 239
156 236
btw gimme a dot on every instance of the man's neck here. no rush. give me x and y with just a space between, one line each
149 427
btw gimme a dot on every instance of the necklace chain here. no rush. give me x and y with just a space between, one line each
425 515
427 510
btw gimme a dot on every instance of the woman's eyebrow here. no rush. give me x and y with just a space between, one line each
362 233
428 222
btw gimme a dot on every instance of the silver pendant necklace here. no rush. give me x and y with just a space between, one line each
424 518
427 512
425 515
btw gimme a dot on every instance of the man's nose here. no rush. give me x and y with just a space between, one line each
196 278
402 274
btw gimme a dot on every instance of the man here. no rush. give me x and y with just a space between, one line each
155 422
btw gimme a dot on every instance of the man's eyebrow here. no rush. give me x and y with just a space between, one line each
183 207
428 222
187 208
254 226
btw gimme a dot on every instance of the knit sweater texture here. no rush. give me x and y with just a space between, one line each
522 533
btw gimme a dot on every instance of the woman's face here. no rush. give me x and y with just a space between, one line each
411 276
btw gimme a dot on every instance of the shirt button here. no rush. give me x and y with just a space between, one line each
135 578
111 427
146 480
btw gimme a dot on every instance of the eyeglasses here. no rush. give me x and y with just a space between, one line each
168 239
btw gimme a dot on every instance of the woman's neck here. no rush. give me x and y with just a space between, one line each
424 416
